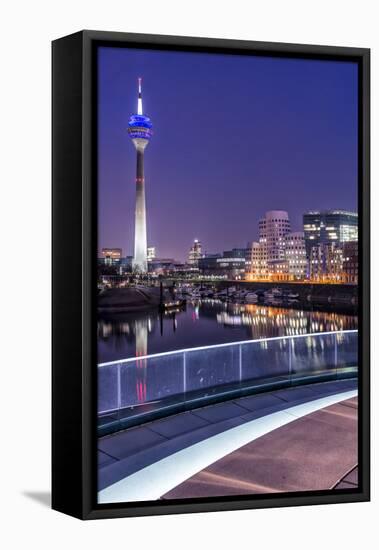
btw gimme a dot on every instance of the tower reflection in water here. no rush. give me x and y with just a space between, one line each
141 331
203 323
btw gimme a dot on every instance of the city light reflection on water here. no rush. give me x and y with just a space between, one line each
208 322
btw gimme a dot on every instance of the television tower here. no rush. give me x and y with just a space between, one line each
140 132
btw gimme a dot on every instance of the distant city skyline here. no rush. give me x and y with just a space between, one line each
234 137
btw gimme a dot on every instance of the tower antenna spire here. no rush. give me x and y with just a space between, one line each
139 106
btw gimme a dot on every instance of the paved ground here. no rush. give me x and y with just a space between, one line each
293 456
349 481
310 453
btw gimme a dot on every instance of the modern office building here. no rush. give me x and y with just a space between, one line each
140 132
195 253
259 267
270 249
161 266
111 256
232 268
316 262
330 226
248 256
231 264
278 270
295 255
334 262
208 263
151 255
240 255
273 229
326 262
127 264
350 262
237 253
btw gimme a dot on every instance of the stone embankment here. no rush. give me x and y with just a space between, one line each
136 298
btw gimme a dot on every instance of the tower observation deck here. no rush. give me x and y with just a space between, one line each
140 132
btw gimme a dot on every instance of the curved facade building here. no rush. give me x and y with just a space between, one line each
268 255
273 229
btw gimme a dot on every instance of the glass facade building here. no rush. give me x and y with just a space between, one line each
111 256
330 226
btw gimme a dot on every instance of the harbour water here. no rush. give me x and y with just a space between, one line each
207 322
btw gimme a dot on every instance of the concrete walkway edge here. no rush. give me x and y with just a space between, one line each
155 480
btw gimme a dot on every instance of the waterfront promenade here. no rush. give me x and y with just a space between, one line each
292 439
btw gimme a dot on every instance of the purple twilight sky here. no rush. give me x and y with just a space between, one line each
234 136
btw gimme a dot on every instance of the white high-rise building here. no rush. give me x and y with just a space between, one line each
273 229
259 260
195 253
295 255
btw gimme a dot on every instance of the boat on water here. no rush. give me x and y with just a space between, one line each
292 296
273 294
183 289
206 293
195 293
228 292
239 295
198 294
251 298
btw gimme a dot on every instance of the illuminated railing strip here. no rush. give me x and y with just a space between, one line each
228 344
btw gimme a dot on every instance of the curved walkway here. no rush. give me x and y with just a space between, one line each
308 454
131 462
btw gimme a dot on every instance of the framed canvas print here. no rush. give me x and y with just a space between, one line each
210 274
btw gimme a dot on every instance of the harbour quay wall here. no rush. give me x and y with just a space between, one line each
134 298
313 293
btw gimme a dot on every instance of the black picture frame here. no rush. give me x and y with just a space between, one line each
74 273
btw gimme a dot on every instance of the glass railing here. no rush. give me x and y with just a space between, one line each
135 390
